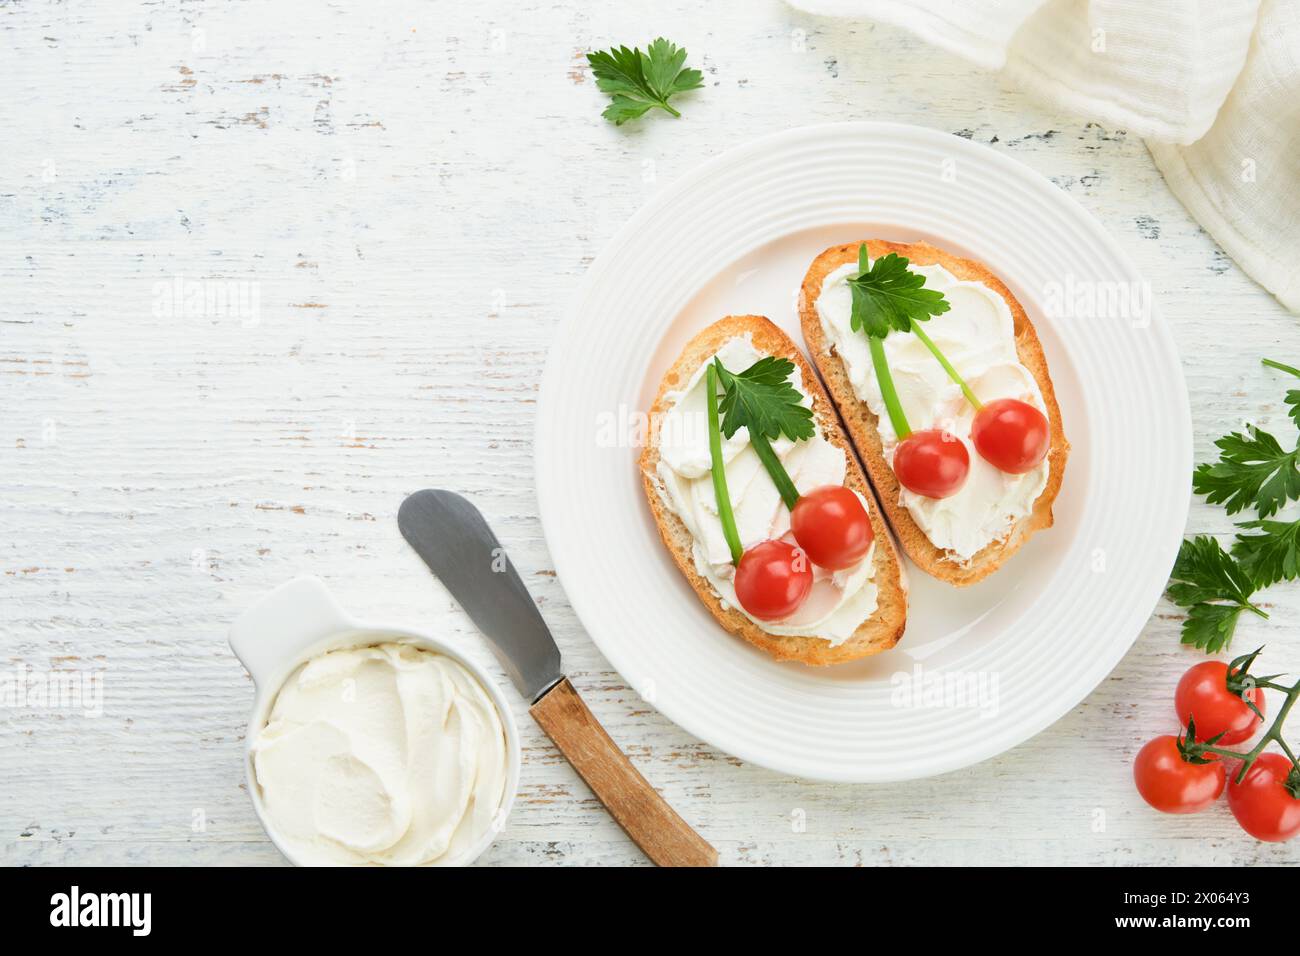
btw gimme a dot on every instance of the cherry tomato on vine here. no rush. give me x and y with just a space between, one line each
1171 783
772 580
1203 694
1010 435
1264 803
932 463
832 527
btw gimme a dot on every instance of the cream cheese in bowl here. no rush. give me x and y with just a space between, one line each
388 754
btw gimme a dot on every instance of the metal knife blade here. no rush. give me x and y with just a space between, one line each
454 540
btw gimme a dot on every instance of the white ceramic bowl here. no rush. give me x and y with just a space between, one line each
300 620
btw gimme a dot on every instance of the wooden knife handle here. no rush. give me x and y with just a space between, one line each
646 817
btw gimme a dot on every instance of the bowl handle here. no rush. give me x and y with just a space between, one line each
283 624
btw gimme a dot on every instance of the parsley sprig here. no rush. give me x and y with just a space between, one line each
887 296
1214 589
638 82
763 401
1270 556
884 298
1254 471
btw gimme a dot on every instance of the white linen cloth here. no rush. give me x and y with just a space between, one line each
1213 86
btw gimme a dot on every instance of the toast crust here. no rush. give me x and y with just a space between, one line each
862 424
879 632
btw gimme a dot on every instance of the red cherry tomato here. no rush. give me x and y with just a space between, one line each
932 463
1010 435
1262 803
772 580
1173 785
1203 694
832 527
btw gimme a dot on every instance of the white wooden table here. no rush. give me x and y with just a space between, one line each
403 197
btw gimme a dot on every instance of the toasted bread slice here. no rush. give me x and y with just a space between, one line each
879 632
861 423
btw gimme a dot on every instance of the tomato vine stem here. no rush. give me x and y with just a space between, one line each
1273 734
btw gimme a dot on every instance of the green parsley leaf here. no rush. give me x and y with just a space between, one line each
1210 626
889 296
1253 469
1205 572
1270 556
638 82
763 400
1214 589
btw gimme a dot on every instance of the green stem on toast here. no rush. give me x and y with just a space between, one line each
947 366
719 469
780 477
887 390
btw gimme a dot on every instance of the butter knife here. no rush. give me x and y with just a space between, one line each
454 540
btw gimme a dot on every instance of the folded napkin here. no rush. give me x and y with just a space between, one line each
1213 86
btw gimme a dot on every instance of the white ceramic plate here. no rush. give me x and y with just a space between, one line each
979 670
